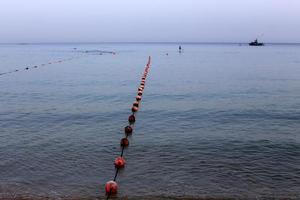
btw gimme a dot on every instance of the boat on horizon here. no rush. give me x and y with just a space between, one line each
256 43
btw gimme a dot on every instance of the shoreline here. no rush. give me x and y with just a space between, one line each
12 197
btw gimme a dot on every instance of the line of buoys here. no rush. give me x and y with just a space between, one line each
111 187
53 62
41 65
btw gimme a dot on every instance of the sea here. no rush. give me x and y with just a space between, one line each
216 121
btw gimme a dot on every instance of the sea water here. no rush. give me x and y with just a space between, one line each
217 120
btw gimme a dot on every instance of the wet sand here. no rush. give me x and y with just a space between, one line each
11 197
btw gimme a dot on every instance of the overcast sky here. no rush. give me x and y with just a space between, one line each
149 20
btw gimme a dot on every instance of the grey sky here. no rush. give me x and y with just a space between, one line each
149 20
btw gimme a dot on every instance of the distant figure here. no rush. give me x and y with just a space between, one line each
179 49
167 54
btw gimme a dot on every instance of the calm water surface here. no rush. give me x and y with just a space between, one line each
215 121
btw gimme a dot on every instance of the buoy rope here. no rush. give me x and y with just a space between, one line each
111 186
42 65
86 53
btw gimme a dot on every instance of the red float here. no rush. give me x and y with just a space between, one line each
134 109
119 162
131 119
128 130
138 98
124 142
111 187
136 103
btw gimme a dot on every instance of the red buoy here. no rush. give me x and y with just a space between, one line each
128 130
138 98
140 89
119 162
136 103
111 187
134 109
131 119
124 142
140 93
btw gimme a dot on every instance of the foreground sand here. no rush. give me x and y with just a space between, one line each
148 198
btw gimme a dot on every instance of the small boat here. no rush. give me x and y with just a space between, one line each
256 43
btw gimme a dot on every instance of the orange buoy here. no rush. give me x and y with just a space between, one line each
136 103
128 129
138 98
124 142
134 109
119 162
111 187
131 119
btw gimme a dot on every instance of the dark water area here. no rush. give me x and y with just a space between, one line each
216 121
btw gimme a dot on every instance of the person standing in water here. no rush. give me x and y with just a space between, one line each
179 49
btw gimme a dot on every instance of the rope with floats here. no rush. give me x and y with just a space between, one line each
41 65
111 187
86 53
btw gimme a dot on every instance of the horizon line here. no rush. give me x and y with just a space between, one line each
138 42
